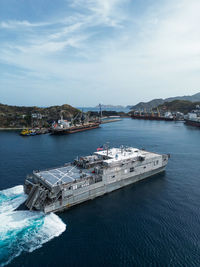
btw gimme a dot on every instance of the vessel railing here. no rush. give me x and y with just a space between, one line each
53 168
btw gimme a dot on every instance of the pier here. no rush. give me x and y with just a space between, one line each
108 121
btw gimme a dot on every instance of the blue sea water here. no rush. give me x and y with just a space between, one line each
155 222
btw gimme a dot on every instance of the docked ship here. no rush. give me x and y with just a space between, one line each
62 128
33 132
193 122
88 177
27 132
68 127
193 118
167 116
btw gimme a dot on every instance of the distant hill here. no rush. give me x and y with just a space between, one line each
110 107
156 102
183 106
21 116
192 98
148 105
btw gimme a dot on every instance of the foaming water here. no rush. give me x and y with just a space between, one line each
152 223
11 198
23 230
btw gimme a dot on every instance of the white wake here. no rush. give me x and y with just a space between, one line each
23 230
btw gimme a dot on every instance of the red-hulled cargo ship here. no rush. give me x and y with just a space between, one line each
74 129
151 117
192 122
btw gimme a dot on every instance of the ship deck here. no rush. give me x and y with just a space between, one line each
62 175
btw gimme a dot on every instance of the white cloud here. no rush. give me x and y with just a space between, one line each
11 24
108 12
155 55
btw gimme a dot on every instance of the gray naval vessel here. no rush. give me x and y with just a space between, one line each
88 177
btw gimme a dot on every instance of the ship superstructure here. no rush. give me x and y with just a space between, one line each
144 115
193 117
77 124
91 176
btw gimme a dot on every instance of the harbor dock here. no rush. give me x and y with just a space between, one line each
108 121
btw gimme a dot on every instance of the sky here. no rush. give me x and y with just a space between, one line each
85 52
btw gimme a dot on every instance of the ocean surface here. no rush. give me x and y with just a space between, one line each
155 222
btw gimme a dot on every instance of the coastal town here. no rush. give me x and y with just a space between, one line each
40 120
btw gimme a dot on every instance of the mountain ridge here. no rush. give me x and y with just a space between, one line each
159 101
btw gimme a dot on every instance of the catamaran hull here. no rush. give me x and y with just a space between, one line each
97 190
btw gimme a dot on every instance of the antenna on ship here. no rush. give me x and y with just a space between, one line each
107 147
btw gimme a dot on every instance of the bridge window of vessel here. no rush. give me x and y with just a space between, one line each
132 169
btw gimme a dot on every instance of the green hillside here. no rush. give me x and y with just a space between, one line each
155 102
21 116
183 106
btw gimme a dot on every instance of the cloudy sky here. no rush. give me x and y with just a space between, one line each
84 52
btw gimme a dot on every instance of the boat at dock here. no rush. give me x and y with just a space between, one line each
192 122
193 117
60 129
156 116
88 177
152 118
26 132
34 131
77 124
